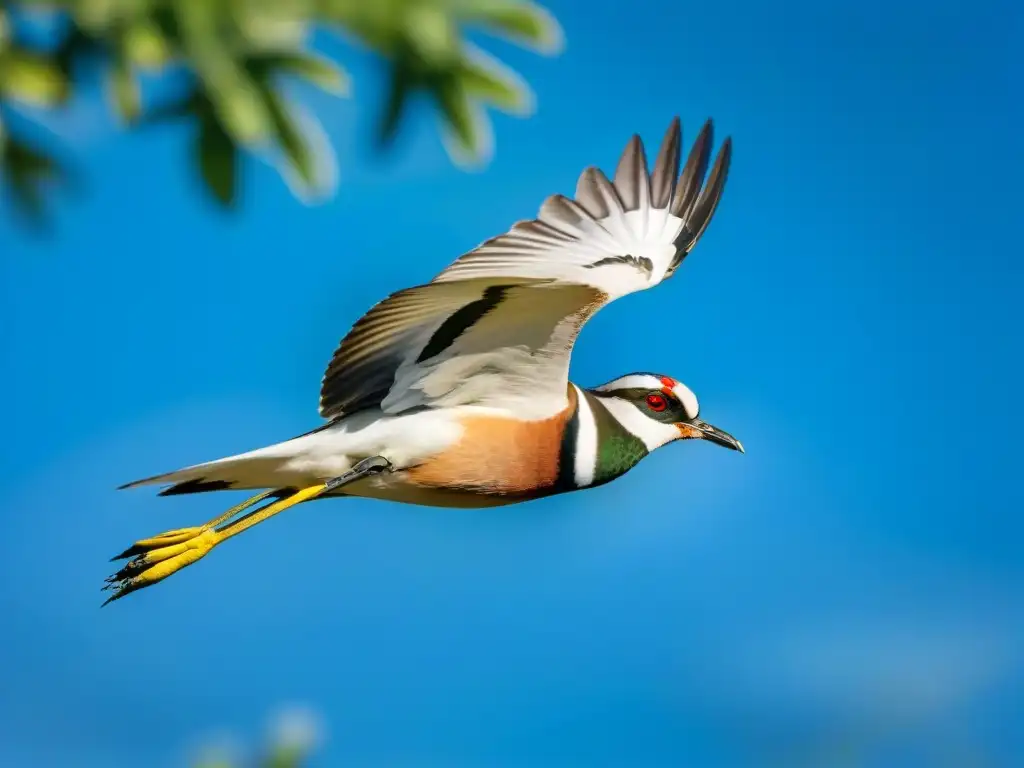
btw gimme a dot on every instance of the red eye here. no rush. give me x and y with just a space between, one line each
657 402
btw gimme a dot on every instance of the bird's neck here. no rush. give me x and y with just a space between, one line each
596 447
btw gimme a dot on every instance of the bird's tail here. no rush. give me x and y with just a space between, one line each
262 468
154 559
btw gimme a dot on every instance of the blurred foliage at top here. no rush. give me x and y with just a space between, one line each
233 59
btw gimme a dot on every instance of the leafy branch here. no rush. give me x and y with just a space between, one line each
236 58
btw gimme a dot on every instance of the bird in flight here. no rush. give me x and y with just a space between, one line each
456 393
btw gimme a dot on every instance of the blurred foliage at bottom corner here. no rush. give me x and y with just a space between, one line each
237 58
293 738
275 757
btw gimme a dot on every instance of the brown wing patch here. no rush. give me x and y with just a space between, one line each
499 455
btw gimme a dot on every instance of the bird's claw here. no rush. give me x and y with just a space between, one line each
153 560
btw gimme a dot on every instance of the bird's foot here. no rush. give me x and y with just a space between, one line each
153 560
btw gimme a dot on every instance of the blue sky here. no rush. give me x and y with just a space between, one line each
854 581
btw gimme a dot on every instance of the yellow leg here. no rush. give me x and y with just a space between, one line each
156 558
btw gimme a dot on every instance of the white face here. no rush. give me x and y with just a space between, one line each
651 427
648 381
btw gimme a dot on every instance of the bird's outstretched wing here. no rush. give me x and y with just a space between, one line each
497 326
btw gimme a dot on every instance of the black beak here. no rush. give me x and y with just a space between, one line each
716 435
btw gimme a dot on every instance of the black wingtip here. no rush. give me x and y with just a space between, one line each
724 159
666 166
703 209
696 168
720 170
707 132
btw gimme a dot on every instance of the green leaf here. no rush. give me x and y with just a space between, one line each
432 33
27 198
457 110
297 149
487 79
218 160
123 90
76 46
33 79
524 22
399 90
25 171
310 167
475 155
318 70
234 94
95 15
241 109
26 161
270 26
284 757
145 45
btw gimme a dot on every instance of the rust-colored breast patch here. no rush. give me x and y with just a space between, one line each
498 455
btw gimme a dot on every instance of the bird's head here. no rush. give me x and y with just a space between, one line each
659 409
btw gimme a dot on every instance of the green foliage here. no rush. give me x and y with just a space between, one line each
238 56
294 737
276 757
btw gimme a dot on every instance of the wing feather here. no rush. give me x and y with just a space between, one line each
666 167
616 237
362 370
597 195
434 344
631 179
693 173
704 208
